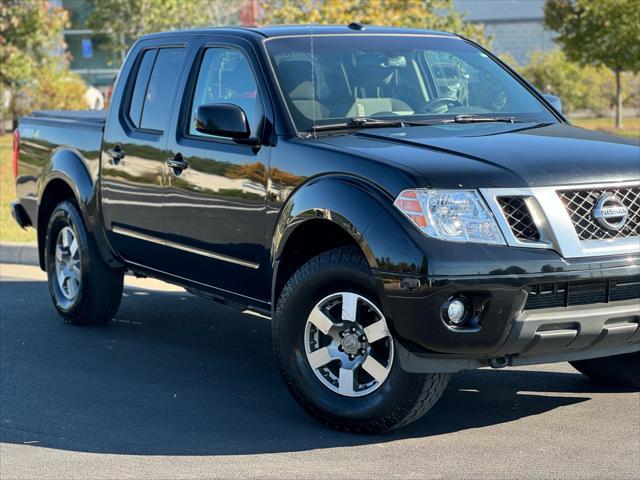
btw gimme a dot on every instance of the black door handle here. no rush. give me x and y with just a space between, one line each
178 164
116 153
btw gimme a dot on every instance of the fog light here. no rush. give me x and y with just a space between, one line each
456 311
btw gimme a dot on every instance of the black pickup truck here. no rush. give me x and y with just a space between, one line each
400 203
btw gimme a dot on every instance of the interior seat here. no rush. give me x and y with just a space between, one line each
371 84
295 79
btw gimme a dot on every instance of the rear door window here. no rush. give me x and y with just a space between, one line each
160 90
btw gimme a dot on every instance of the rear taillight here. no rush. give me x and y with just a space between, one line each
14 154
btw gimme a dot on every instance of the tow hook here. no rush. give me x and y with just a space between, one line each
500 362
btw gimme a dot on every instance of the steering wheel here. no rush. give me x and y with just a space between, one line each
441 105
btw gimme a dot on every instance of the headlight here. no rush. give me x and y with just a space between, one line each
454 215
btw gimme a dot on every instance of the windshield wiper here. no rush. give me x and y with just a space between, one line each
358 123
462 118
465 118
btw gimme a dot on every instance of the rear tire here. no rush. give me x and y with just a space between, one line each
84 289
326 284
616 371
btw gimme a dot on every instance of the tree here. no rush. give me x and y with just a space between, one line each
30 36
429 14
601 33
122 21
581 87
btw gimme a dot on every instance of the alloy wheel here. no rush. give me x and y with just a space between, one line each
348 344
68 269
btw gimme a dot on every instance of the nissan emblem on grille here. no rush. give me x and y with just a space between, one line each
610 212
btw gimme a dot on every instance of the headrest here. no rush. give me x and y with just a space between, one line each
372 76
293 73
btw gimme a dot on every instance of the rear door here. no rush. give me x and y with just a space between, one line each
215 209
134 152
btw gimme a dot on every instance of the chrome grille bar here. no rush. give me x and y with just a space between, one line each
556 225
580 205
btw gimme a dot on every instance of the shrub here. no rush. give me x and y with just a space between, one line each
552 73
580 87
55 87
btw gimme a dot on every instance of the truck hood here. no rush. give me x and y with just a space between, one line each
499 155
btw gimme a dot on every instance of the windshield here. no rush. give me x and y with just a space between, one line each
410 78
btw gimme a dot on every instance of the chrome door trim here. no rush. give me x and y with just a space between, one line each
140 236
185 248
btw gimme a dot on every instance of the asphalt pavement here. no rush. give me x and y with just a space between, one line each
178 387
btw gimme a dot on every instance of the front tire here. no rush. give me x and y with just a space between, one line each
616 371
84 289
335 350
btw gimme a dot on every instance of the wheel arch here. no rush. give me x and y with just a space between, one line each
325 213
67 177
305 240
342 210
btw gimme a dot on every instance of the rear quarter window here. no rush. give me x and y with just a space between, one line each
140 87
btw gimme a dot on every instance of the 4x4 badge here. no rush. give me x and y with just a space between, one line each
610 212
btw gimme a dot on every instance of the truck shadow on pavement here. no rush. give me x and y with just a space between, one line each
176 375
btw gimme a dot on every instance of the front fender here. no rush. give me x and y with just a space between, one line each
346 201
367 214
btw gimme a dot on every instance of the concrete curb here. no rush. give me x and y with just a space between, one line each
20 253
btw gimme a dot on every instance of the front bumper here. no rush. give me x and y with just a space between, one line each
552 335
509 333
559 331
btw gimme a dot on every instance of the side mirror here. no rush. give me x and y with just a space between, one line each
554 101
222 120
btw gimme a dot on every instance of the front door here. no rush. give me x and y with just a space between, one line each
134 155
215 208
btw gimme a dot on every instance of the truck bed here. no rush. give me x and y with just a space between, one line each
47 131
76 116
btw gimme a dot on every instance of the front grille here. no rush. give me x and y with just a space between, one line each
567 294
580 205
519 218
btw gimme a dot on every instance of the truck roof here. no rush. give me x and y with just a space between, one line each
296 30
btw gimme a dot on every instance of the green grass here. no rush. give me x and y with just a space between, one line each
631 126
9 230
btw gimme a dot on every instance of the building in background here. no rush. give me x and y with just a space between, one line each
517 26
96 66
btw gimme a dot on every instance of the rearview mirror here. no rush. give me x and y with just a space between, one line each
222 120
554 101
